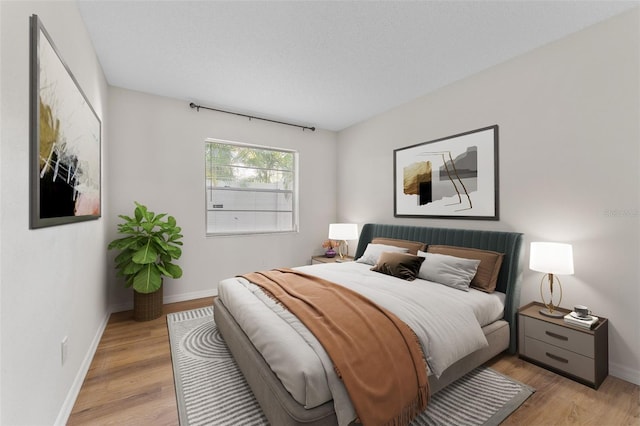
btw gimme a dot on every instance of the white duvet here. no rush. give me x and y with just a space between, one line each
447 322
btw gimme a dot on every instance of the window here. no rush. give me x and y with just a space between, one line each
250 189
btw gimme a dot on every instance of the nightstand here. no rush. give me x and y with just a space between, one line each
323 259
578 353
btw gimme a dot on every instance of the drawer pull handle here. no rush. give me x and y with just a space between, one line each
557 358
556 336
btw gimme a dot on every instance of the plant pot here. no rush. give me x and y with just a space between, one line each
147 306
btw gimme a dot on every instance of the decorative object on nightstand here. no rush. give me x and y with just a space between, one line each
581 317
578 321
343 232
578 352
330 245
552 259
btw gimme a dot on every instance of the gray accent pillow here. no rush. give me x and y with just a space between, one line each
373 252
451 271
486 278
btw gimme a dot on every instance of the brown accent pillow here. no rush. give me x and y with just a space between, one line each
400 265
490 262
412 246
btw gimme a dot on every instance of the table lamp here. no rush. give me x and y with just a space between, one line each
552 259
343 232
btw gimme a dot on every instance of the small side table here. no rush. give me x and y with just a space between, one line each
581 354
323 259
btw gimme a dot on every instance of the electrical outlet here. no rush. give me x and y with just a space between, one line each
64 350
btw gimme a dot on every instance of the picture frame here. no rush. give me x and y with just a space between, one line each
455 177
65 140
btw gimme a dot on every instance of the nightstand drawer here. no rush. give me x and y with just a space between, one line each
562 337
561 359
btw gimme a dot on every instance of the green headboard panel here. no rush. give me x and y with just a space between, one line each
509 243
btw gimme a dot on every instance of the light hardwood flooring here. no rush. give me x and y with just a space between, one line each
130 382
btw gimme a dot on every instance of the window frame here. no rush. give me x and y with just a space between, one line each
294 191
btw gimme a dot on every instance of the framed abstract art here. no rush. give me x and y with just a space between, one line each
65 140
455 177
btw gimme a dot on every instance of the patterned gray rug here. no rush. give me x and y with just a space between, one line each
211 390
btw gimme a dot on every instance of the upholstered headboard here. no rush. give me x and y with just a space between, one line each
509 243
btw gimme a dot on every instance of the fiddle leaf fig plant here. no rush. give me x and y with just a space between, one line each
147 250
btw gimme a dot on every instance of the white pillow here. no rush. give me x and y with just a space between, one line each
451 271
373 252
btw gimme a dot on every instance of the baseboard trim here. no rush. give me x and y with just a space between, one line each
72 395
625 373
121 307
190 296
169 299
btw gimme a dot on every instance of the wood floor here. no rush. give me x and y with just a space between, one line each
130 382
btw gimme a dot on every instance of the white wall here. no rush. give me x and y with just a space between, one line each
53 280
157 152
569 159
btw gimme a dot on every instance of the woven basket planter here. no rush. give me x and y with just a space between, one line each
147 306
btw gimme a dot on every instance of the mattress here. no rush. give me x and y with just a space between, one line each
299 360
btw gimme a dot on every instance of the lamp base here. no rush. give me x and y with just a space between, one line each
549 309
555 314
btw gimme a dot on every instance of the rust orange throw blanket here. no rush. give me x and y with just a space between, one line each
376 354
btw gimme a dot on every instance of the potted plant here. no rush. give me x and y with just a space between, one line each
150 243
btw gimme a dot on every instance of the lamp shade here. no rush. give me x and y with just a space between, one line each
343 231
551 258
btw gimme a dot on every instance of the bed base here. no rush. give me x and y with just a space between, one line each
280 407
276 402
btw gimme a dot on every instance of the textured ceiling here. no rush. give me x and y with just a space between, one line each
329 64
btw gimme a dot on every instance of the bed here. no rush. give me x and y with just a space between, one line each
277 402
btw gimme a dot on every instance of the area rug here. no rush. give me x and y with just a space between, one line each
210 389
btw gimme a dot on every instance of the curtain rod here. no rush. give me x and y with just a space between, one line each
250 117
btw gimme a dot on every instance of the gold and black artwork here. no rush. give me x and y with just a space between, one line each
65 137
453 177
